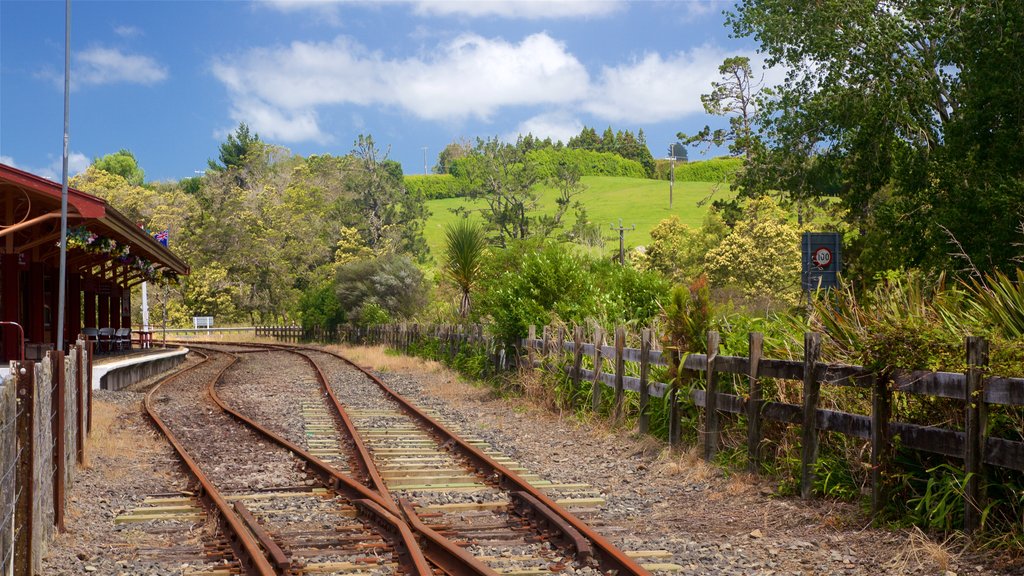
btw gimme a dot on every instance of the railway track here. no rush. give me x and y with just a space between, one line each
278 516
455 490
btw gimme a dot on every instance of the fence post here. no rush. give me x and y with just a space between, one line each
560 346
881 411
23 512
756 340
674 432
644 420
620 374
577 356
58 409
80 404
974 431
812 390
89 383
531 335
545 348
711 426
595 392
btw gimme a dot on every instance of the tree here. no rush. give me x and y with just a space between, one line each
908 114
122 163
761 255
235 149
389 217
736 96
587 140
459 148
504 177
464 250
391 283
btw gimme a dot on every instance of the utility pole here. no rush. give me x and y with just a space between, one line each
424 160
622 241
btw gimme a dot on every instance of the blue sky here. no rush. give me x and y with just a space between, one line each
170 79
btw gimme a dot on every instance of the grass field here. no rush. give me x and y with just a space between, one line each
637 201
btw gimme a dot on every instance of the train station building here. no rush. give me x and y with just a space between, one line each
107 255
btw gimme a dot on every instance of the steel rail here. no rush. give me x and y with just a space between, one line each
242 542
365 460
607 555
440 551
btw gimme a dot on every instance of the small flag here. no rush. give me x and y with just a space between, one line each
162 236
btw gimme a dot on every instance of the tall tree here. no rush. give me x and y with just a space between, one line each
906 111
735 96
234 150
124 164
502 175
390 218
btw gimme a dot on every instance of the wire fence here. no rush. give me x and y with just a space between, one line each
9 455
44 410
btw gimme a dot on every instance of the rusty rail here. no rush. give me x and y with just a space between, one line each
242 542
365 460
439 550
608 556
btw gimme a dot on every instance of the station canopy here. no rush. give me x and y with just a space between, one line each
102 242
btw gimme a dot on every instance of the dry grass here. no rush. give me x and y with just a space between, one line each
377 358
436 377
688 464
111 442
921 554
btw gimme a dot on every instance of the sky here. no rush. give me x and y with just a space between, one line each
169 80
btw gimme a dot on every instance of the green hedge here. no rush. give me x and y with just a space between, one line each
589 162
433 186
713 170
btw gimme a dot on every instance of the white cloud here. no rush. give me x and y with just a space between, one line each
510 9
656 89
277 90
97 66
519 9
554 125
77 163
125 31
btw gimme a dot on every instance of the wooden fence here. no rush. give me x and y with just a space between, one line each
972 445
285 333
45 414
449 338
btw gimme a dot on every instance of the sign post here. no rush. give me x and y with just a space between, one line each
821 257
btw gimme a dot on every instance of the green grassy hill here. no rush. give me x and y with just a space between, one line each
637 201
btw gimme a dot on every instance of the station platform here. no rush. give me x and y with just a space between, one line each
118 371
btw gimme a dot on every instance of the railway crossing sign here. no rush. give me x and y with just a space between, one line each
821 255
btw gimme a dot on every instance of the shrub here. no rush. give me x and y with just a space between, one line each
588 162
433 186
761 255
391 284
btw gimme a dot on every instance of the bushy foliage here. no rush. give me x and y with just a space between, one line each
722 169
761 256
536 282
319 307
587 162
390 284
433 186
678 251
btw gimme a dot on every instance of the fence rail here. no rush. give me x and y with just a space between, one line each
45 414
972 445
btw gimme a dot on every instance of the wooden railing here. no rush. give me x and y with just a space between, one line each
972 445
